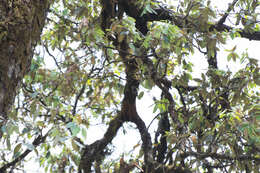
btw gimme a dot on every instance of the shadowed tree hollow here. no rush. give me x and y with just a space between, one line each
70 68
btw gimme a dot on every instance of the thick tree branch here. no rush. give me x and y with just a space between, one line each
128 108
128 113
162 13
96 150
161 149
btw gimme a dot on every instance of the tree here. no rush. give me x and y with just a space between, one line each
20 29
108 54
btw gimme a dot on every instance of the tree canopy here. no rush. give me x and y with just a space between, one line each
107 54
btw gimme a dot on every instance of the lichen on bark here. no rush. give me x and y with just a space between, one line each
21 23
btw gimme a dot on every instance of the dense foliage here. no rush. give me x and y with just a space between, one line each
97 57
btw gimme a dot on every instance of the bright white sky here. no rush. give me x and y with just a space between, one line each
144 106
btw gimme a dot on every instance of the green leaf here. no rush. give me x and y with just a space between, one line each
74 128
148 84
17 148
181 119
155 108
148 9
162 107
84 132
8 143
141 94
74 145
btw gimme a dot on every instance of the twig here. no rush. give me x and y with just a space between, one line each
224 17
57 64
40 139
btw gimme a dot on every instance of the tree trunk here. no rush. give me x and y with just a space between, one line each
21 23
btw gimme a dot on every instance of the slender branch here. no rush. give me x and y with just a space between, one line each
162 83
224 17
77 98
219 156
54 59
37 141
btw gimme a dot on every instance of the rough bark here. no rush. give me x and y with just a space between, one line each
128 112
132 9
21 23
